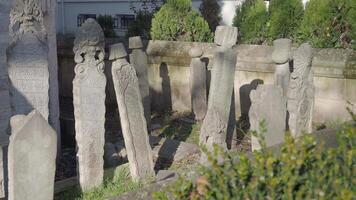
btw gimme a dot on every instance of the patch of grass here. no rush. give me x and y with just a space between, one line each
119 184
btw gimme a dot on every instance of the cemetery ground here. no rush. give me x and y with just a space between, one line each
180 127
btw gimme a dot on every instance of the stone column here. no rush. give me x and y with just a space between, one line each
32 158
268 104
281 56
138 60
50 24
89 103
301 92
133 122
28 59
215 124
198 83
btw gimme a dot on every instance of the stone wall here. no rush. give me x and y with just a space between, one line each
169 73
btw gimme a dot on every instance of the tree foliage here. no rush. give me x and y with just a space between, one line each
177 21
251 19
329 23
107 24
211 11
285 18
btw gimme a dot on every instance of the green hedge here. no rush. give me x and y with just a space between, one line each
302 170
177 21
251 18
285 18
329 23
324 23
107 24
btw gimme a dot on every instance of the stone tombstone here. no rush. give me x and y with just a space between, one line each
215 124
31 158
138 59
268 104
301 92
28 59
198 83
226 36
5 109
281 56
89 103
132 116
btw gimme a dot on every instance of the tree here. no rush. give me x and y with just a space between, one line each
177 21
211 11
329 23
141 26
107 24
251 19
285 18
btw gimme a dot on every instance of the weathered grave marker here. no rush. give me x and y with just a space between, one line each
301 92
132 117
281 56
268 105
198 83
27 59
89 103
31 158
138 59
215 124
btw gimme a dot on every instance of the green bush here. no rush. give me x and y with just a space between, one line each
251 19
177 21
285 18
302 170
141 26
211 11
329 23
107 24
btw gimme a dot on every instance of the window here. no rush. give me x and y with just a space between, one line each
123 21
82 17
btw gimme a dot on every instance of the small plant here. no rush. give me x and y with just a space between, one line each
329 23
211 11
285 18
177 21
302 170
251 19
107 24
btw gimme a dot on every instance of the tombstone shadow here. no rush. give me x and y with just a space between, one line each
178 131
243 123
166 86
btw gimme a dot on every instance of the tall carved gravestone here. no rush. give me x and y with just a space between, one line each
268 104
281 55
31 158
198 83
219 124
27 59
89 103
301 92
132 116
215 124
138 59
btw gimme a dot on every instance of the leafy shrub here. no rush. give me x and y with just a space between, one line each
329 23
177 21
211 11
251 19
285 18
107 24
302 170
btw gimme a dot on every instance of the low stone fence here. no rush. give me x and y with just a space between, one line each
169 72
